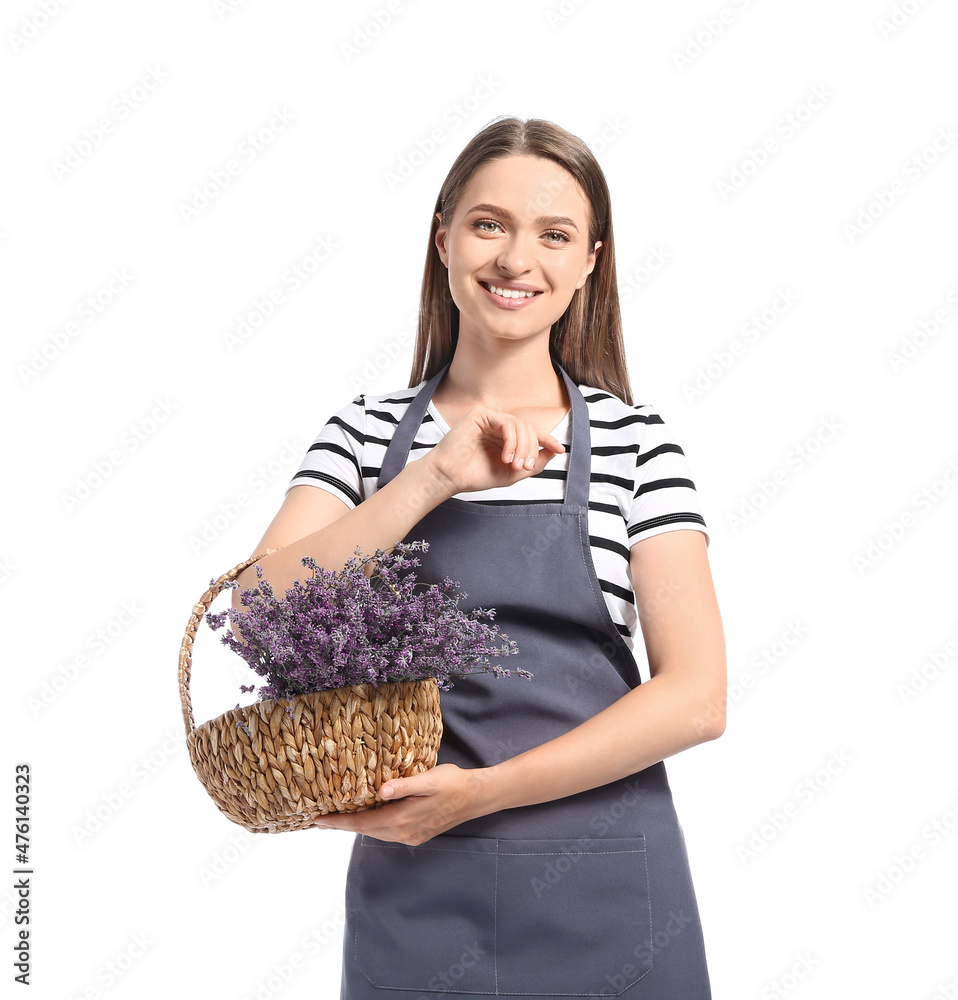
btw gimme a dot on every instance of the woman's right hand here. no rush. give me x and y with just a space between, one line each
490 448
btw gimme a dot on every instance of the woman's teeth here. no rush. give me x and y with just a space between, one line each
510 293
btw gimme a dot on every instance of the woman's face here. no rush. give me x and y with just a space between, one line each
522 223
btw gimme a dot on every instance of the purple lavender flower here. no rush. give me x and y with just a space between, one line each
338 628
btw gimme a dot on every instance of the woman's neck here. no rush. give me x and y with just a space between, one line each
504 379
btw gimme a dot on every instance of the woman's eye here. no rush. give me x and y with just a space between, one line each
553 235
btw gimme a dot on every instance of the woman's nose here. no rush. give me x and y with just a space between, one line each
516 255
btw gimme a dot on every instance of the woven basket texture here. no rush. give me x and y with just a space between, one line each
273 765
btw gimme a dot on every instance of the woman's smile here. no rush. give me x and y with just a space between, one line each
506 297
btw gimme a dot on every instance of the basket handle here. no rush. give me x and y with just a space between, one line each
196 616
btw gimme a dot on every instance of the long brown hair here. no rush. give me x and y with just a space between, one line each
587 338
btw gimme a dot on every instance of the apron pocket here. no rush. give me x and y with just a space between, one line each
425 916
573 917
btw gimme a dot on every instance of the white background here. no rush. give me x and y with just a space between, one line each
145 455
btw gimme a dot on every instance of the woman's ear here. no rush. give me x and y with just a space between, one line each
590 263
441 241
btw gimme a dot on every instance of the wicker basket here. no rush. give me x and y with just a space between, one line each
271 771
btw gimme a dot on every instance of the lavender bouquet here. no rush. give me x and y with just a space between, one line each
339 628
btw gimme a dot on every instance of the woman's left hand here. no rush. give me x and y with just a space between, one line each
420 806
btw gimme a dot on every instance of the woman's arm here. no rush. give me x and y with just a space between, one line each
476 454
378 522
681 705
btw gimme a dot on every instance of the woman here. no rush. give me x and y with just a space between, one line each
542 856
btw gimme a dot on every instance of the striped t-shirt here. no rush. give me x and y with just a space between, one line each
639 485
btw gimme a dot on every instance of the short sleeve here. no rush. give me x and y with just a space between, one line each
334 459
664 496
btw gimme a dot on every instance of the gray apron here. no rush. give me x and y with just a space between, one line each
586 895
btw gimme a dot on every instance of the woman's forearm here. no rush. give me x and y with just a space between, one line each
381 520
657 719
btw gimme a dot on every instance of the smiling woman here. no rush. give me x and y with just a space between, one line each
492 251
542 856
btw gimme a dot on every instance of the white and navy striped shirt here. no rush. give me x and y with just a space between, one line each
639 485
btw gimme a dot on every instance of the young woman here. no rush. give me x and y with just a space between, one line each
542 856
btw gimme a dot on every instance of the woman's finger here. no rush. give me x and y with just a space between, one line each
514 434
508 432
554 444
522 444
533 447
